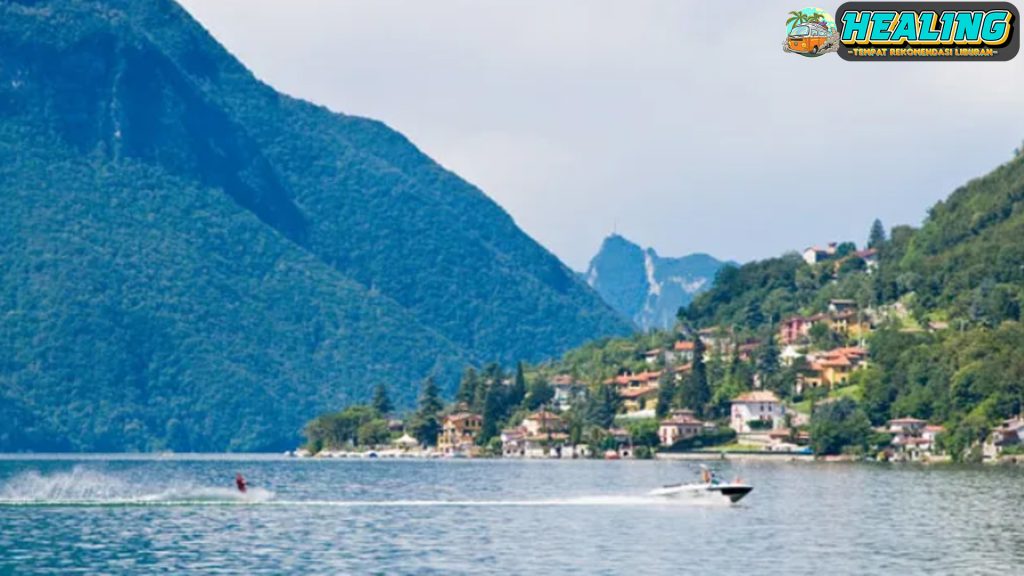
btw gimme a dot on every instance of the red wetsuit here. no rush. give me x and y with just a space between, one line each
240 483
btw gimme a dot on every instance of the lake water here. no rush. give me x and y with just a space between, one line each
181 515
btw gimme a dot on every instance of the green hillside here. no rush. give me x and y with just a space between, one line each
192 261
948 347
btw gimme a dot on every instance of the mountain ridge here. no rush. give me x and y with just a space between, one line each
193 261
645 287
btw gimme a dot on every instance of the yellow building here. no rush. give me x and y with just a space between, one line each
458 432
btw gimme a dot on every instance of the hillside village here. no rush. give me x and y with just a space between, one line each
786 391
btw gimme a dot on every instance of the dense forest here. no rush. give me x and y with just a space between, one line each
190 260
949 347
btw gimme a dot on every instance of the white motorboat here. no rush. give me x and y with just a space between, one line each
709 486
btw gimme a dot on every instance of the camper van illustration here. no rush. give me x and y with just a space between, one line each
810 32
809 38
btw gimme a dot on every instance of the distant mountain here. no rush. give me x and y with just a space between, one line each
647 288
190 260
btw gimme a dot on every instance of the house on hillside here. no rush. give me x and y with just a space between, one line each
638 391
544 422
680 425
913 439
840 305
757 410
797 329
1009 433
716 340
815 254
653 356
533 440
682 351
458 433
832 368
870 258
567 391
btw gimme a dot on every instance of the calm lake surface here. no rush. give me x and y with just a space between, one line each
180 515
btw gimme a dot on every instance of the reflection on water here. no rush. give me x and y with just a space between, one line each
144 515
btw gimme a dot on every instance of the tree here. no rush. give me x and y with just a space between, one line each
467 387
539 394
768 362
602 407
338 429
381 400
845 249
425 426
517 394
839 426
876 238
492 413
795 19
373 432
666 393
696 392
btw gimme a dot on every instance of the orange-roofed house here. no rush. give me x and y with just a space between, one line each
682 351
832 368
757 410
458 432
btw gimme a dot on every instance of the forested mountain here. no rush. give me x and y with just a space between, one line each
646 287
949 345
190 260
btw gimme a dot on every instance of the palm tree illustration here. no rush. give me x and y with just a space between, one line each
796 18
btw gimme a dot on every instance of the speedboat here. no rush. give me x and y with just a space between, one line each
709 486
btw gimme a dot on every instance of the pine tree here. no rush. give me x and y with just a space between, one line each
467 387
877 236
381 400
425 424
602 406
430 398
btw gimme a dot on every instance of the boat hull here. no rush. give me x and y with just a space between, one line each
732 492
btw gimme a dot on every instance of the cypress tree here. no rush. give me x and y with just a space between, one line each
666 393
697 393
517 393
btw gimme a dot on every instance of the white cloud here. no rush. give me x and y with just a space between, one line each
682 124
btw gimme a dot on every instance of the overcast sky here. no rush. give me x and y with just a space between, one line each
682 125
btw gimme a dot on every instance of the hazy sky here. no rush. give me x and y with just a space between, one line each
682 125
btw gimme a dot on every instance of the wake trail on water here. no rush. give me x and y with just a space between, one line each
83 487
87 488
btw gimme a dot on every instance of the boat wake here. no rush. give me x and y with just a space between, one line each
83 487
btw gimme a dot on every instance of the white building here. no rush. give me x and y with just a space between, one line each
679 426
757 410
816 254
567 392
